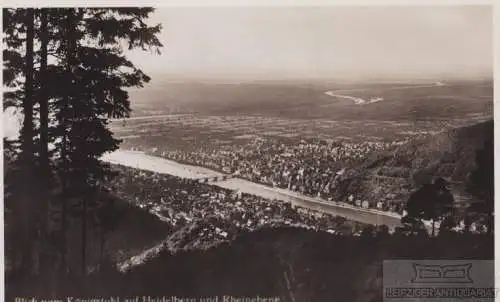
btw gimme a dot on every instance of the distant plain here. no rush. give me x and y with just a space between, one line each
186 115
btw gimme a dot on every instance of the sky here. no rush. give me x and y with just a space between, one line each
324 42
318 42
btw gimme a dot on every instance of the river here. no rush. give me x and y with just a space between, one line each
144 161
360 101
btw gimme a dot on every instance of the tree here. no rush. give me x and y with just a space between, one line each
44 174
417 206
14 64
368 231
18 77
383 231
447 225
82 87
23 30
481 182
27 130
96 73
14 30
429 202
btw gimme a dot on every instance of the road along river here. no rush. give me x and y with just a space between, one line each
143 161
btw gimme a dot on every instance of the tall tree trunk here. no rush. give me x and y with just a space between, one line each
27 155
27 132
69 116
44 99
433 227
45 174
65 124
467 223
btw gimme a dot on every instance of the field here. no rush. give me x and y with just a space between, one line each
402 101
182 116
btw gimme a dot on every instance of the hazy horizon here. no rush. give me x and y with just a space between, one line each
336 44
253 43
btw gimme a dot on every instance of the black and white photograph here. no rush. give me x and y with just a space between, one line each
246 153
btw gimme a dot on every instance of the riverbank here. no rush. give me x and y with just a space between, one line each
140 160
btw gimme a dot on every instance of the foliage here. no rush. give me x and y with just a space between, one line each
82 87
318 265
430 202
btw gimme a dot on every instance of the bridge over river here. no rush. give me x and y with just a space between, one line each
143 161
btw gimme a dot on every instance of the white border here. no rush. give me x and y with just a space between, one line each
27 3
496 114
187 3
